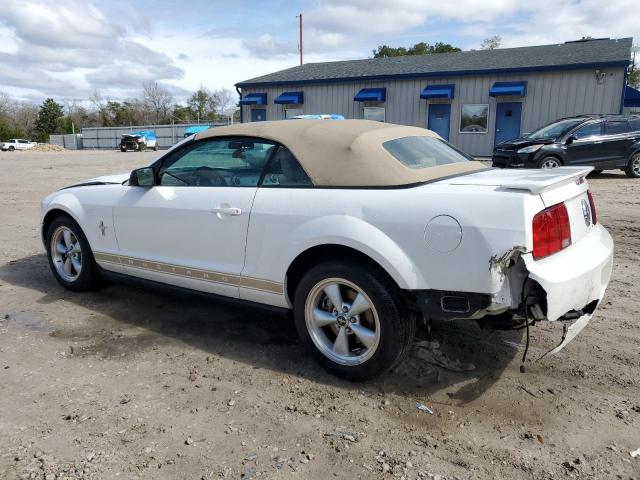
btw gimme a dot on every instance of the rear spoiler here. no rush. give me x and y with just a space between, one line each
540 181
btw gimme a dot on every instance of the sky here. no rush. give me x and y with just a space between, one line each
68 49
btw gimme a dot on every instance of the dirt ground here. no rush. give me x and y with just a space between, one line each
130 383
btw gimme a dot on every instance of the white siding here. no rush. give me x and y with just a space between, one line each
550 95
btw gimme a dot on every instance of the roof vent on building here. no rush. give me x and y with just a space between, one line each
587 40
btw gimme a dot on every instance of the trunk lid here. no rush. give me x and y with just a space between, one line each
557 185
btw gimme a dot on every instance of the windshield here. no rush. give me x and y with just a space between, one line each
556 129
424 152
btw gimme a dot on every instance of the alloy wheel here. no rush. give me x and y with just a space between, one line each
66 253
550 163
635 165
342 321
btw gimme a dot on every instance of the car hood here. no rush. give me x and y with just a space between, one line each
104 180
523 142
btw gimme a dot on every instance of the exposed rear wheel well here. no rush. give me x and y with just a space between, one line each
330 252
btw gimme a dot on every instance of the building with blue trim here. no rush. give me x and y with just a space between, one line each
474 99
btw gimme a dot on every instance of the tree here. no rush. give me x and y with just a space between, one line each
159 100
633 79
421 48
227 101
203 104
491 43
48 119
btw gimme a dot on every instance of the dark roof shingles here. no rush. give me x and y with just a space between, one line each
537 57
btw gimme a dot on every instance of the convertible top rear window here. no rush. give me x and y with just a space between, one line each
423 152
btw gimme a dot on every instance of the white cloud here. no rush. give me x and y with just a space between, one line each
67 48
265 46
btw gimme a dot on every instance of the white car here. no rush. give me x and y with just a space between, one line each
16 144
359 227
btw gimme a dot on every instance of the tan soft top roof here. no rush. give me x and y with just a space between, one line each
342 153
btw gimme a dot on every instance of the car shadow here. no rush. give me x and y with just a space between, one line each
257 337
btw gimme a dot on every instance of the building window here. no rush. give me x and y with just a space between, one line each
474 118
373 113
292 112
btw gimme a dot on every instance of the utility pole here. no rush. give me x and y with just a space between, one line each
300 44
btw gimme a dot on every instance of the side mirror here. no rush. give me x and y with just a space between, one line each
571 139
142 177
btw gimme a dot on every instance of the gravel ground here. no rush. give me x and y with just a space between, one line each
132 383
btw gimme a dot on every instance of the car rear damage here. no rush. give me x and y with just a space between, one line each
561 276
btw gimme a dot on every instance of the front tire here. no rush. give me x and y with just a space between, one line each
550 162
352 320
70 256
11 149
633 168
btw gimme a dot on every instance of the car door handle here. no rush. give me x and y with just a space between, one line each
232 211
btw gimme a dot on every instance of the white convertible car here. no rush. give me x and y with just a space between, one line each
361 228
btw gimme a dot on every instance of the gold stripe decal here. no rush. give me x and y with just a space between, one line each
195 273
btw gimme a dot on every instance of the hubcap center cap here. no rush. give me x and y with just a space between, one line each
342 320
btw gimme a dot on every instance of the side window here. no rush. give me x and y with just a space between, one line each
285 171
229 162
591 130
635 124
616 127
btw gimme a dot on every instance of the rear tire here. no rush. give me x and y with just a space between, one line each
363 338
70 256
633 168
550 162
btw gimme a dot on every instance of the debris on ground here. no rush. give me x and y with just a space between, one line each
431 352
423 408
348 436
635 453
47 147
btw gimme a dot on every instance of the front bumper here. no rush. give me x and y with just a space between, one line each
574 279
512 159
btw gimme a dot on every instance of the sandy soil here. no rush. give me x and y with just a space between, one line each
132 383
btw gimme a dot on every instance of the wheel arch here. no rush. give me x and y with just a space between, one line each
551 155
319 253
65 204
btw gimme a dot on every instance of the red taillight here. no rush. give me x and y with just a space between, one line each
551 231
592 204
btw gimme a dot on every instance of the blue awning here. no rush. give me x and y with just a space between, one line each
438 91
631 97
371 95
500 89
290 98
254 99
195 129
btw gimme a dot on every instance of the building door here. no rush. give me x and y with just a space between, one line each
508 115
258 114
440 119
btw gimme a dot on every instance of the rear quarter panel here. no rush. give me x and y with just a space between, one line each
389 226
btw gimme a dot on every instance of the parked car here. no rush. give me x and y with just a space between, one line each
139 141
604 142
359 227
17 144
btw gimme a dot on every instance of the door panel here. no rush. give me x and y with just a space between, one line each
173 235
508 116
616 143
587 146
440 119
258 114
190 229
